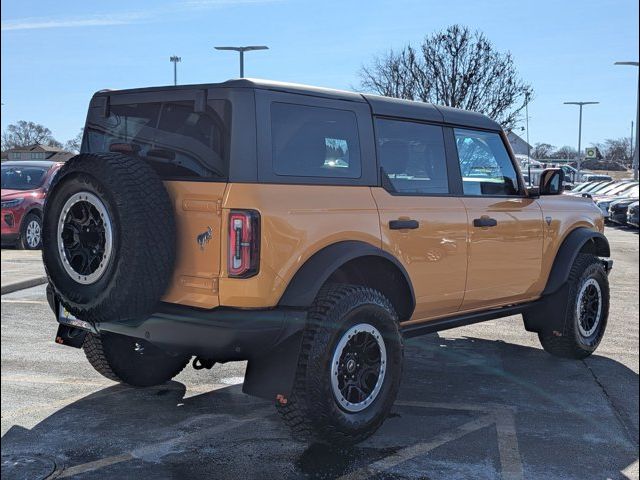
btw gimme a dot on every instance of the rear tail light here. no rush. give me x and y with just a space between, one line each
244 243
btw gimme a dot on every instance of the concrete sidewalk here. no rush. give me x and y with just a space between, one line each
21 269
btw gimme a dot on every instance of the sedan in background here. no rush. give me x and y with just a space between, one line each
618 210
24 187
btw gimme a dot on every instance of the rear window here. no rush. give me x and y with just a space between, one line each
171 136
314 141
22 178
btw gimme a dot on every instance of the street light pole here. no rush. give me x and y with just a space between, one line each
526 110
580 104
635 153
241 51
175 59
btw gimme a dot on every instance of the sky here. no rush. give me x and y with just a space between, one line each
56 54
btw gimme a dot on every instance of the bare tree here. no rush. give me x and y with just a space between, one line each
542 151
565 152
454 67
616 149
23 134
75 143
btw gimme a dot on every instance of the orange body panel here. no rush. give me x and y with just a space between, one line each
505 260
296 222
197 269
435 254
453 266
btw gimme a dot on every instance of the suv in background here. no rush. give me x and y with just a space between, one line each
308 231
24 187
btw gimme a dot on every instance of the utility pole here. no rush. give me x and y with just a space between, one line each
526 110
635 153
580 104
175 59
241 50
631 143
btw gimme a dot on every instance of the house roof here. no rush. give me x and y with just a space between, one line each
38 147
515 137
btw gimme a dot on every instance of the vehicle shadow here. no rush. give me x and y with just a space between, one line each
564 425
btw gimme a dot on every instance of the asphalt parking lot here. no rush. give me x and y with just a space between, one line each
481 402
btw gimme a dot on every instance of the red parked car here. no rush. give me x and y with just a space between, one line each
24 187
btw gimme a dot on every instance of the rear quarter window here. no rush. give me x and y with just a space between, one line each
172 137
314 141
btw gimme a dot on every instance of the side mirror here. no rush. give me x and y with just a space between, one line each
551 181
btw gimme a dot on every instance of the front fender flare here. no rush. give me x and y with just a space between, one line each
574 243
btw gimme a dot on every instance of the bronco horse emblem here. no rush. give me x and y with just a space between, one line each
204 238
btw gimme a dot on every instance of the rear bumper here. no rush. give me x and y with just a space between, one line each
220 334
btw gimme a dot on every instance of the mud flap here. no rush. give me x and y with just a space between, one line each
271 375
549 314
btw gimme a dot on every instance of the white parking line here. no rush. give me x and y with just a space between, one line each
502 417
154 452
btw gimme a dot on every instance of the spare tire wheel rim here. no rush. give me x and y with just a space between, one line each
85 237
358 367
589 307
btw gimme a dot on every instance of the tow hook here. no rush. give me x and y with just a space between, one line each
200 363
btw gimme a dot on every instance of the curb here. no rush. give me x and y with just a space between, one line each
30 282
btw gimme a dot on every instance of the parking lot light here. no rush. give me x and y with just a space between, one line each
635 153
241 50
580 104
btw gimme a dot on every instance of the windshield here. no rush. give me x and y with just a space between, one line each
584 186
621 188
22 178
603 188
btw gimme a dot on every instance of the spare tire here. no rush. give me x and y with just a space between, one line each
108 237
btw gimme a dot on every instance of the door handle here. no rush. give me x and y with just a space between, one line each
484 222
403 224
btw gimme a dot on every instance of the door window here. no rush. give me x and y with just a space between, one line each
485 164
412 157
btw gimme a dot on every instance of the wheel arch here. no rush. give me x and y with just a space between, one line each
352 262
579 240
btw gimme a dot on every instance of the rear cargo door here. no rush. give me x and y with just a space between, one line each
198 223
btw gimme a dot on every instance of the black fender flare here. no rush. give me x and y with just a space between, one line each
312 275
573 244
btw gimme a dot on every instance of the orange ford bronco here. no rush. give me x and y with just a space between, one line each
308 231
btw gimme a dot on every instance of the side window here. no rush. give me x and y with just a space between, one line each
485 164
314 141
412 156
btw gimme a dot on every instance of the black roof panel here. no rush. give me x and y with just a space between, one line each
386 106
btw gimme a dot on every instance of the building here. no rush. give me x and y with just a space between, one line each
518 145
37 152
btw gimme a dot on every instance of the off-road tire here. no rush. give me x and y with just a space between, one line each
23 242
115 357
312 411
141 262
572 344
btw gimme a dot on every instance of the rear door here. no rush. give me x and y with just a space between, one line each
505 226
186 139
422 221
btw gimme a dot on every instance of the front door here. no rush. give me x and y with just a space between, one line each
422 224
505 226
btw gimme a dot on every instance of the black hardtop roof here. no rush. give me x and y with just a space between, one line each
385 106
